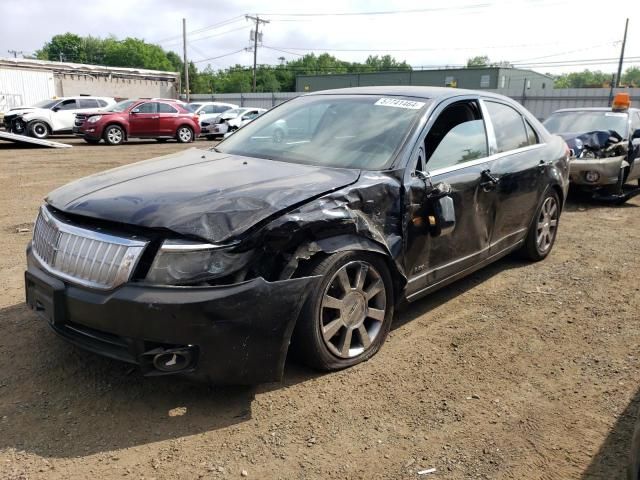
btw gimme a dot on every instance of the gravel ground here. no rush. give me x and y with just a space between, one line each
518 371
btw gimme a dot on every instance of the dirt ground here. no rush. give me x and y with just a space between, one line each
521 371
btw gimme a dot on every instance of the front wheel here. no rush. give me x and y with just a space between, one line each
113 135
38 129
184 135
544 228
346 320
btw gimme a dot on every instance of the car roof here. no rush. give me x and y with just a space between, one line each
593 109
408 91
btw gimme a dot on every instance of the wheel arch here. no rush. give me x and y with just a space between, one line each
310 253
117 124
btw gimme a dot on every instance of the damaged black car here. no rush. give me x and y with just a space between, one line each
605 146
303 229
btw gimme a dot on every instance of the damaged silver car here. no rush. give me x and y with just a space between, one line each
605 145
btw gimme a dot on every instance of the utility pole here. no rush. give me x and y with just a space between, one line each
184 55
15 53
258 21
624 41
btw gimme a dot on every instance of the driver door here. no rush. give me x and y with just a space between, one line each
64 115
451 156
144 120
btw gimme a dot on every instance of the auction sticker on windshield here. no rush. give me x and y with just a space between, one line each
399 103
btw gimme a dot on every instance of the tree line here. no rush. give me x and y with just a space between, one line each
136 53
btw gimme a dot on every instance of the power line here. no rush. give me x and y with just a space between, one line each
220 56
209 36
380 12
199 30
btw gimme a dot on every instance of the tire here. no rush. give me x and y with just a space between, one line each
92 141
38 129
184 134
113 135
544 228
342 344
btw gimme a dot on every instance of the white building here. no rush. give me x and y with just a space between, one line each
24 81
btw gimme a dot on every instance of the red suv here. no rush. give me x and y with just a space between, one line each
151 118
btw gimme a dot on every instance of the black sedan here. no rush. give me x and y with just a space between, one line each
212 262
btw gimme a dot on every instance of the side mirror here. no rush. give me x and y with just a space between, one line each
441 212
135 110
55 109
636 134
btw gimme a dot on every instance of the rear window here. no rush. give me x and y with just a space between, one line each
166 108
88 103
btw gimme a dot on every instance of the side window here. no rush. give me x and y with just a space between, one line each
508 126
87 103
250 115
149 107
208 109
532 136
220 108
166 108
102 103
68 105
458 135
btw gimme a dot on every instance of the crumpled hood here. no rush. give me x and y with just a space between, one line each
595 140
214 196
22 110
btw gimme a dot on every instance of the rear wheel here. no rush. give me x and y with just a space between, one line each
113 135
184 134
346 320
38 129
544 228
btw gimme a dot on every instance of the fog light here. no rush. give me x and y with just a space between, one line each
592 176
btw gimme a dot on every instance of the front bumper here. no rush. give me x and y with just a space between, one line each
239 333
608 170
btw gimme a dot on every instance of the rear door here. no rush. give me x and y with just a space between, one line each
518 166
168 124
144 120
634 147
455 153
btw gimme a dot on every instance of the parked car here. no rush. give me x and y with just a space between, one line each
210 262
142 118
229 121
606 147
209 111
52 117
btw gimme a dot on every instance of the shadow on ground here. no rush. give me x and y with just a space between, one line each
610 463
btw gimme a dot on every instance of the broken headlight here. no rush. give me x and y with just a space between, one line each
184 262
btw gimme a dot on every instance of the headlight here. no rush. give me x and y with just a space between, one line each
183 262
94 118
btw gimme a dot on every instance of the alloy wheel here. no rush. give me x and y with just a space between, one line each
185 134
114 135
40 130
547 224
353 309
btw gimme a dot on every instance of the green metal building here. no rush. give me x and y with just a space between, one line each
471 78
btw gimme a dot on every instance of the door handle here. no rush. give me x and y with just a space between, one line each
154 118
491 182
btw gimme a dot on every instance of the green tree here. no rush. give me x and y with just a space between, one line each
479 61
67 47
631 77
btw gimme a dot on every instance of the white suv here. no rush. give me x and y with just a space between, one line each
50 117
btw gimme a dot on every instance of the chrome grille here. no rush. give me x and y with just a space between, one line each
87 257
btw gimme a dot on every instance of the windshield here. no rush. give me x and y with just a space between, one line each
192 107
45 103
355 131
234 112
121 106
587 121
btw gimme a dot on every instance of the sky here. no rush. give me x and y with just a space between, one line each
543 34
